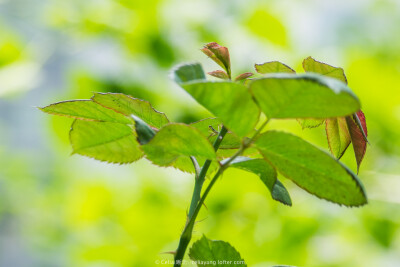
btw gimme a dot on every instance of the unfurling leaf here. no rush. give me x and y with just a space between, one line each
219 54
85 110
311 168
273 67
338 136
230 102
358 135
219 74
205 252
177 140
105 141
312 65
268 176
305 95
129 106
243 76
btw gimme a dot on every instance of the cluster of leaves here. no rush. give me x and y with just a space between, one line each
117 128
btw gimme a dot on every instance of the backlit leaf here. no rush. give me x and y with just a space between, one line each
312 65
338 136
311 168
205 252
268 176
177 140
306 95
128 106
105 141
310 123
356 133
273 67
229 101
85 110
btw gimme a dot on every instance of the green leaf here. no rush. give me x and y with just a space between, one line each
210 127
312 65
209 253
273 67
306 95
143 131
219 54
230 102
85 110
310 123
338 136
268 176
128 106
177 140
219 74
105 141
358 133
188 72
311 168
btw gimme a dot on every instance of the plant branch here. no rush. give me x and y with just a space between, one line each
186 235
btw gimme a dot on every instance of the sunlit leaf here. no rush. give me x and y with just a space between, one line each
205 251
230 102
312 169
357 137
219 54
268 176
338 136
128 106
85 110
312 65
177 140
105 141
310 123
219 74
303 96
273 67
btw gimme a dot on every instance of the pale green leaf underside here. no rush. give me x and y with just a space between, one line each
312 169
306 95
273 67
85 110
105 141
230 102
128 106
177 140
205 251
268 176
188 72
312 65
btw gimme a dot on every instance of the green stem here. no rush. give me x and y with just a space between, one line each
186 235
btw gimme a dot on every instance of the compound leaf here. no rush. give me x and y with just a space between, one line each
177 140
305 95
105 141
129 106
85 110
268 176
311 168
206 252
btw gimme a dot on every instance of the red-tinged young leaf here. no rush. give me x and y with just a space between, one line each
219 74
338 136
312 65
243 76
219 54
357 136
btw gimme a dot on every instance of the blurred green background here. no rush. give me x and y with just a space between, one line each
61 210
